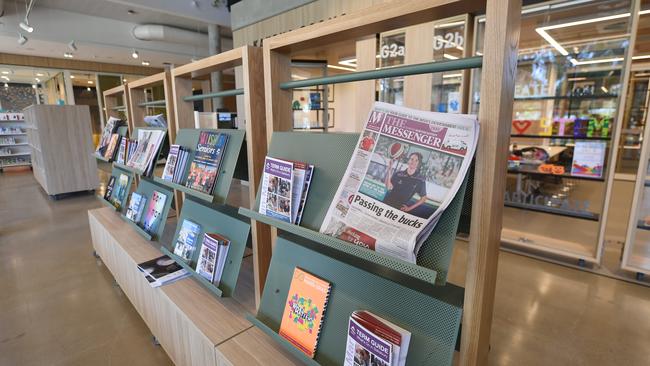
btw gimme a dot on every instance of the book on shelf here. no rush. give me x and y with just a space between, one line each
112 145
212 257
588 158
144 156
304 311
109 188
405 171
162 270
170 165
188 237
277 189
375 341
204 169
120 190
136 207
154 213
109 129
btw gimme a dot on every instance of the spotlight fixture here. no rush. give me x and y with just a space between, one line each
135 54
145 63
25 26
72 46
4 77
124 80
88 88
68 55
71 76
21 39
90 82
33 86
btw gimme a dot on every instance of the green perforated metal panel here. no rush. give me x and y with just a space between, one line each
188 138
221 219
116 173
433 319
330 154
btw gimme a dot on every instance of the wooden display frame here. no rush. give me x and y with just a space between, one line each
499 65
252 88
113 106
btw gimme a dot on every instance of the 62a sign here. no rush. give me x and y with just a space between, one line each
448 40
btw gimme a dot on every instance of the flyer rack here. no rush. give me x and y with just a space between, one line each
371 288
134 135
116 173
146 188
252 91
225 221
116 104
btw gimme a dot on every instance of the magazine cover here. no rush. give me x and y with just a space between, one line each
170 165
162 270
109 187
121 153
207 263
111 127
153 215
120 190
136 206
188 238
305 190
364 348
589 158
149 142
222 255
112 145
204 169
406 169
275 197
304 311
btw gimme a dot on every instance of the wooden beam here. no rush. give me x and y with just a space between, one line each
277 69
495 116
59 63
253 84
417 88
205 66
148 81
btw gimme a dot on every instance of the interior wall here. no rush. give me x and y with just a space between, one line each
16 97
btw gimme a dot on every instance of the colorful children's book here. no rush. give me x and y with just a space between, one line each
304 311
170 165
188 238
204 170
136 207
153 215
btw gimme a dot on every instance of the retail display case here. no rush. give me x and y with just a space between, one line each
569 80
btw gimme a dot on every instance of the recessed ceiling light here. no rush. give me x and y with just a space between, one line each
90 82
33 86
71 76
5 72
4 77
145 63
39 74
88 88
68 55
124 80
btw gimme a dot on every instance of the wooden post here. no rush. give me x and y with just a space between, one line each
417 88
364 93
495 115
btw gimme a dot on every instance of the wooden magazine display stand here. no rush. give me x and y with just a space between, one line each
252 90
412 296
116 104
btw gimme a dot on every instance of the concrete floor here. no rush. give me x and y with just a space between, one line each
59 305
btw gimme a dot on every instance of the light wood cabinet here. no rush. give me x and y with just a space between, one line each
62 148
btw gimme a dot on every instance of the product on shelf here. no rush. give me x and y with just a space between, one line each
401 185
120 190
12 116
153 215
136 207
109 188
589 158
212 257
285 185
5 151
375 341
111 127
7 141
188 238
11 130
304 311
170 164
144 156
121 152
112 146
204 170
162 270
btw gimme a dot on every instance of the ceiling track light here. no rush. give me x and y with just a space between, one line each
145 63
68 55
135 54
21 39
72 46
25 26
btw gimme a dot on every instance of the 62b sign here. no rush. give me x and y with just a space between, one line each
448 40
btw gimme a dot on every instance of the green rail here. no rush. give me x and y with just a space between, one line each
153 103
425 68
119 108
224 93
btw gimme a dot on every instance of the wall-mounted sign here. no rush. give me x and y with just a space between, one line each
391 50
448 40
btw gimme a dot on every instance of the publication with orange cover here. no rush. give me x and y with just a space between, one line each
304 311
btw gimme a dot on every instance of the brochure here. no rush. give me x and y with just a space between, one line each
589 158
275 199
188 238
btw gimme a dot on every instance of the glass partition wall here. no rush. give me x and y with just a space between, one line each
567 95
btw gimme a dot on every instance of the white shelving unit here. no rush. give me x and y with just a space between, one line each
14 147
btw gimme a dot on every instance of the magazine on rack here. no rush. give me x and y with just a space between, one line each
375 341
406 169
144 156
111 127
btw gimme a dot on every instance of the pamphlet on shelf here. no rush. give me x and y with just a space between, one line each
406 169
120 190
121 152
207 262
112 146
204 170
588 158
153 216
170 165
136 207
304 311
375 341
305 191
188 238
149 142
109 188
162 270
277 192
109 129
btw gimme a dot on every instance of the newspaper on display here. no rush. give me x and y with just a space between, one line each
406 169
